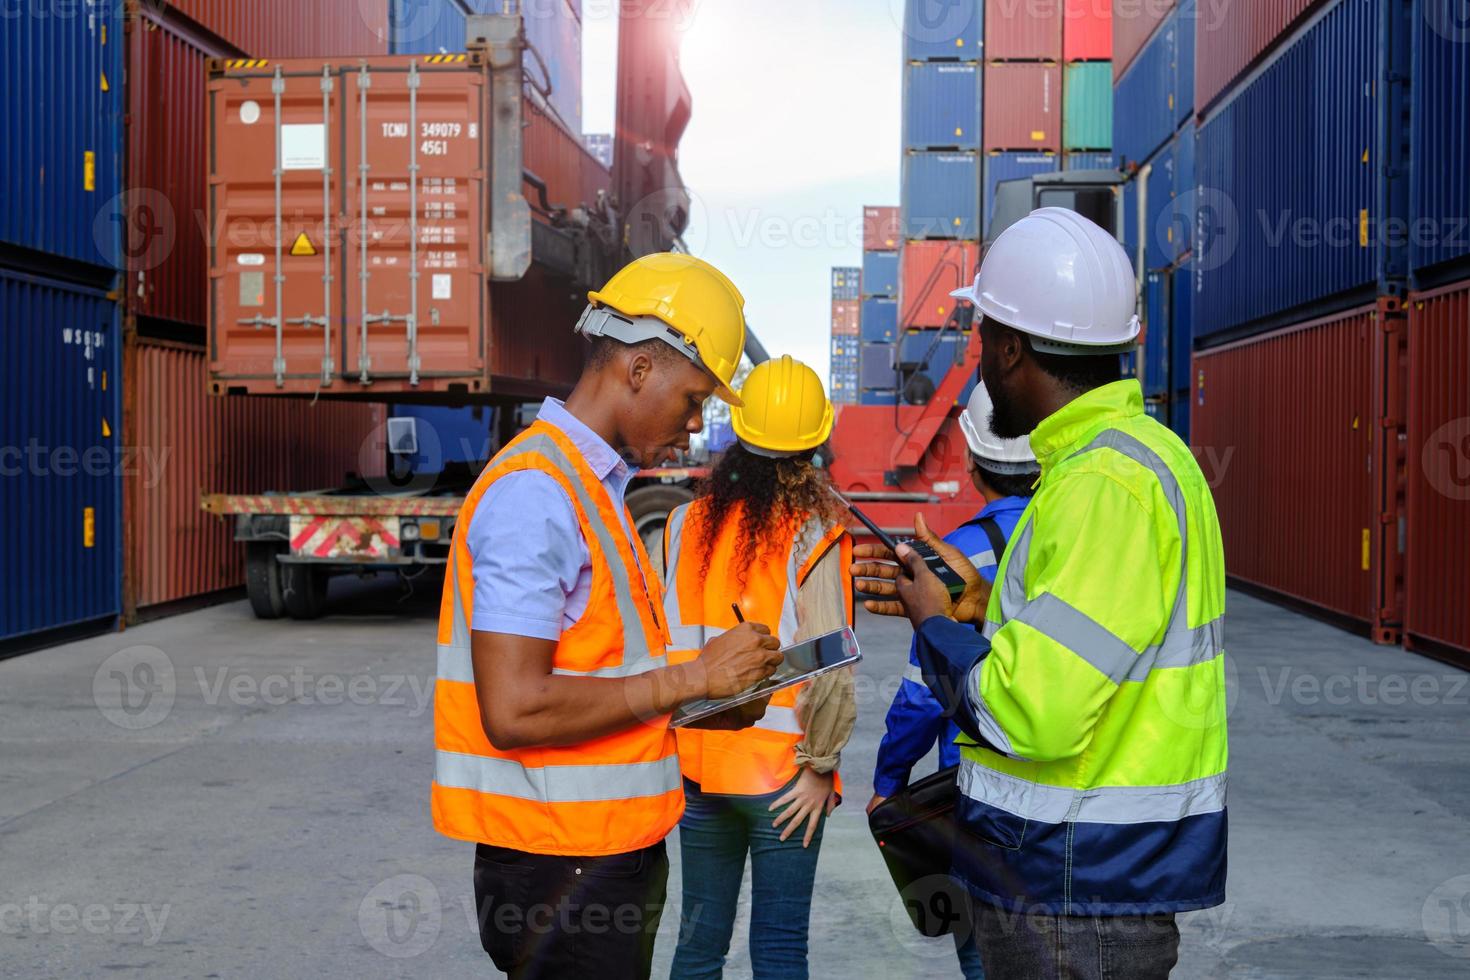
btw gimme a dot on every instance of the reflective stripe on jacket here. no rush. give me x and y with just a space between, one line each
1102 695
609 795
697 603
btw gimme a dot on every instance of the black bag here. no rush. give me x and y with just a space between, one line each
915 830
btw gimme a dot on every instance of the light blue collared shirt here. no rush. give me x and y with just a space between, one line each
533 572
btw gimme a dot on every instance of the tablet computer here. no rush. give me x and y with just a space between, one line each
801 662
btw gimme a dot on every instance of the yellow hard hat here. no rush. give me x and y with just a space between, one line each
786 411
691 296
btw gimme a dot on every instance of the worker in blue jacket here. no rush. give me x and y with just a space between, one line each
1003 470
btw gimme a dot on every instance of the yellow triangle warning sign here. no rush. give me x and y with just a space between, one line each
106 430
302 245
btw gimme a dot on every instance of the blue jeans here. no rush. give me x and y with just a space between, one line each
714 837
970 966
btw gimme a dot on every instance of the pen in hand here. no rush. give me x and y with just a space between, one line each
735 608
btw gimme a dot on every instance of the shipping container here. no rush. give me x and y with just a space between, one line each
846 315
875 366
880 274
1087 106
1437 466
446 436
1231 37
428 26
422 260
1132 221
61 130
1160 181
720 436
61 454
1184 62
879 320
554 66
1145 97
1133 25
600 145
941 30
1089 161
1087 31
940 349
877 396
1440 149
1023 105
1023 31
188 444
941 106
930 272
847 282
941 195
300 29
882 228
1179 414
1264 437
1012 166
1181 326
1155 361
1277 241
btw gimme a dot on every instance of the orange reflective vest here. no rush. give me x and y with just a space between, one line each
697 605
609 795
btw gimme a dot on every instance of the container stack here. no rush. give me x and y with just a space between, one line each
878 314
846 319
1087 85
1023 132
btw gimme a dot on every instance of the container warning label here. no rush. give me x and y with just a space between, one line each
443 286
302 245
304 147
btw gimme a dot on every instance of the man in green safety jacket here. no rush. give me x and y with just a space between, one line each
1092 700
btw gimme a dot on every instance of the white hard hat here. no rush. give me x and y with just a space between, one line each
1000 455
1061 279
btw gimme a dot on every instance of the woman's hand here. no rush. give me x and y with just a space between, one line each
811 795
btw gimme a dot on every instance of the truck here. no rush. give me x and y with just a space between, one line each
421 231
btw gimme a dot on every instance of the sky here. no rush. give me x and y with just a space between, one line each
795 127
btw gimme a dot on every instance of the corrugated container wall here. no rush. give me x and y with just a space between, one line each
1087 106
1016 31
61 130
188 443
1145 95
876 369
1181 328
1155 360
1087 30
299 29
941 195
882 228
941 106
1159 178
1306 227
941 29
1262 436
448 435
1233 35
1437 574
427 26
880 273
847 282
1089 161
60 426
931 271
1133 24
1012 166
846 316
879 320
1440 150
1023 104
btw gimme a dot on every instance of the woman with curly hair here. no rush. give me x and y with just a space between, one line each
764 535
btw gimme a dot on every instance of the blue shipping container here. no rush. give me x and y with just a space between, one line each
880 273
879 320
1012 166
846 282
449 435
60 473
1440 142
877 369
1184 63
1144 99
942 29
1156 336
941 105
877 396
719 437
1279 232
1159 184
1179 414
61 128
1089 161
1130 222
941 195
1181 327
915 345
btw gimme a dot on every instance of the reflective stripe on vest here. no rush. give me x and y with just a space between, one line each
613 794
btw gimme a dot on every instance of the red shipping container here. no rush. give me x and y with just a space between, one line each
1023 106
1087 30
1030 29
185 443
298 29
846 317
882 229
1293 432
931 271
1231 37
1134 22
1437 576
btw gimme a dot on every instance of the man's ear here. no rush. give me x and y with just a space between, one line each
640 369
1010 347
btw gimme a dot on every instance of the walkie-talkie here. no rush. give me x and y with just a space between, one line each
937 565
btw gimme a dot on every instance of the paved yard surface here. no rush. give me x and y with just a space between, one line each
214 796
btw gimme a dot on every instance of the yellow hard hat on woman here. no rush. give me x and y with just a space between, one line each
677 298
784 409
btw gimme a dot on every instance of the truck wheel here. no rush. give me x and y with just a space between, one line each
263 580
304 588
650 507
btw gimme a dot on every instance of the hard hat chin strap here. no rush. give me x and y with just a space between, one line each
599 321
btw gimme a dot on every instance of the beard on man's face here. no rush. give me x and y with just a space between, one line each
1004 419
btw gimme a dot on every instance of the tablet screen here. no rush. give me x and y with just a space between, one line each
800 662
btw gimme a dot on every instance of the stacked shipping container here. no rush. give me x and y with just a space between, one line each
846 300
878 315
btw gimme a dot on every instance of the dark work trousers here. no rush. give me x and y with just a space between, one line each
545 916
1015 946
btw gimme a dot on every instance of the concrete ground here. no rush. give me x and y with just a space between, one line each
214 796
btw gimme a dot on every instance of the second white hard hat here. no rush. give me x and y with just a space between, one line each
1000 455
1061 279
